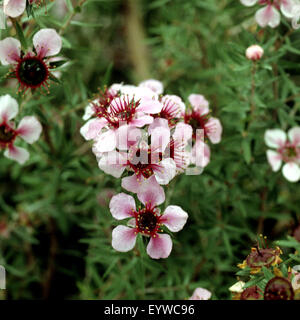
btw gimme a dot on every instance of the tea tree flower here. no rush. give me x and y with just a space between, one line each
29 129
279 288
287 150
31 69
254 52
269 15
147 221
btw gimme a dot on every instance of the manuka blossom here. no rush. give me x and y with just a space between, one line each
287 150
269 15
147 221
254 52
29 129
31 69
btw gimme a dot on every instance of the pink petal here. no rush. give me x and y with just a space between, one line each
141 121
18 154
92 128
149 106
294 136
275 138
183 132
158 122
287 7
122 206
291 171
106 141
113 163
274 159
133 183
160 246
29 129
47 42
10 50
14 8
151 193
200 154
174 218
8 108
214 131
123 238
268 16
165 171
160 138
201 294
199 103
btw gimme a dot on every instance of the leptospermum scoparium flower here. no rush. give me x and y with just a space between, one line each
201 294
32 70
287 151
269 15
147 221
29 129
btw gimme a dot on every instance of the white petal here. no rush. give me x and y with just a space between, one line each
113 163
106 141
92 128
123 238
166 171
248 3
160 246
294 136
8 108
154 85
291 171
10 50
18 154
201 294
29 129
274 159
275 138
122 206
47 42
174 218
14 8
286 8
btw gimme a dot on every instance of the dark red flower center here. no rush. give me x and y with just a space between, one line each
7 135
197 121
289 152
170 112
32 72
262 257
252 293
147 221
279 288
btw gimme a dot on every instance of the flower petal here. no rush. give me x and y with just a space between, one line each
294 136
29 129
201 294
275 138
159 246
113 163
10 50
174 218
199 103
14 8
274 159
47 42
123 238
268 16
214 131
8 108
122 206
106 141
248 3
291 171
287 7
18 154
150 106
151 192
154 85
92 128
165 171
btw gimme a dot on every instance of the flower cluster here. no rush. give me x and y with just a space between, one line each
269 14
146 138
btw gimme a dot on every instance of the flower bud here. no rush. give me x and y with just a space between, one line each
254 52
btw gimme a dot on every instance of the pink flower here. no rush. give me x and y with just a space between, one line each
287 151
254 52
154 85
144 161
147 221
201 294
199 118
269 15
14 8
29 129
116 117
32 70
